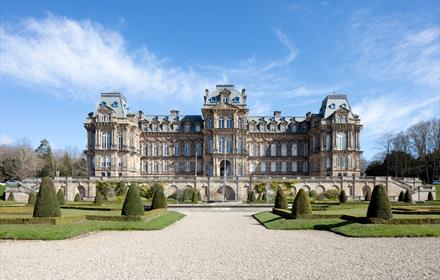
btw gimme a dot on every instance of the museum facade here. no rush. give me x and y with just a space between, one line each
224 141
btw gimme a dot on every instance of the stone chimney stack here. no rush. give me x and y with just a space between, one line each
174 113
277 114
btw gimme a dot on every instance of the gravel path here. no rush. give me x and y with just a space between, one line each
221 245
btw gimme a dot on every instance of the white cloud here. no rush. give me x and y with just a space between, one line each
80 58
396 48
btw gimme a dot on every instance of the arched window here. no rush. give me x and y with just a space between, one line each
210 122
106 142
240 123
341 141
229 122
221 123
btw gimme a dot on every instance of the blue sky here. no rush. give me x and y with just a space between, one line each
57 56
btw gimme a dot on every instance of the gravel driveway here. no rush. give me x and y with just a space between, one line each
221 245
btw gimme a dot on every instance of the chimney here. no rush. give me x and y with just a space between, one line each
277 114
243 92
174 113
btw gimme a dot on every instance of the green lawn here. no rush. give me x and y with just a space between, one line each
348 228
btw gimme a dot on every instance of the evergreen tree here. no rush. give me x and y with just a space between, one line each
430 196
280 199
32 199
60 197
77 197
47 203
98 198
159 200
301 207
133 205
252 197
379 206
342 197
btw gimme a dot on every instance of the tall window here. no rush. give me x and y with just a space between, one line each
305 149
187 150
239 145
165 150
294 149
283 167
155 149
221 144
144 166
210 171
327 142
272 128
210 145
165 166
187 127
263 166
176 149
273 150
229 122
187 166
210 122
305 167
121 140
252 150
343 162
155 167
328 162
106 142
198 149
273 166
240 123
119 162
341 141
252 167
143 149
221 123
229 144
176 167
283 149
106 161
165 127
294 166
197 127
262 150
240 170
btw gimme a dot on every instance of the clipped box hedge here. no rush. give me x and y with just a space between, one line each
42 221
114 218
287 214
416 221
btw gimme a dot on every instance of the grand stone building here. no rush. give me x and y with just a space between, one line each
223 141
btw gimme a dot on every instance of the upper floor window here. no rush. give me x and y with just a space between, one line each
236 99
240 123
327 142
106 141
341 141
165 150
273 150
252 127
155 167
155 149
252 150
198 149
225 99
176 149
197 127
262 150
262 127
239 145
143 149
293 128
210 145
294 166
229 122
252 167
273 128
273 166
187 127
165 167
106 118
210 122
263 166
221 123
328 162
165 127
305 167
283 149
305 151
221 144
155 127
187 150
239 170
283 167
187 166
121 141
282 127
294 149
229 145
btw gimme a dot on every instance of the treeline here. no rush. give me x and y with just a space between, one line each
20 160
414 152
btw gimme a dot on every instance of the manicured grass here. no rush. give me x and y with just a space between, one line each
347 228
56 232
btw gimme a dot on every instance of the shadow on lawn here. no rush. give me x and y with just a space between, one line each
332 226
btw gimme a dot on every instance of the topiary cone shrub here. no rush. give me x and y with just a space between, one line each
32 199
77 197
408 197
60 197
367 195
159 200
430 196
252 197
264 198
199 196
11 197
280 199
98 198
133 205
259 197
342 197
46 204
401 196
379 207
194 197
301 207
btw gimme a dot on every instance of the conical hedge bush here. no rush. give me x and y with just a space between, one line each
60 197
46 204
379 207
133 205
199 196
342 197
11 197
368 195
264 196
159 200
280 199
430 196
401 196
408 197
98 198
32 199
252 197
301 207
195 197
77 198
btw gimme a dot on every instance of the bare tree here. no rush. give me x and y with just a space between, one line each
419 135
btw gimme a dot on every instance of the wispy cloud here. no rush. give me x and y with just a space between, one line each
395 48
80 58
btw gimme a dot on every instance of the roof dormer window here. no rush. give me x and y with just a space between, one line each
115 104
332 106
213 99
236 100
225 99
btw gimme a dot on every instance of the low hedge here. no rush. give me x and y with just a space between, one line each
97 208
42 221
285 213
114 218
365 220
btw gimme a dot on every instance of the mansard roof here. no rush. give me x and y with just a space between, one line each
269 119
113 101
235 97
332 103
172 118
